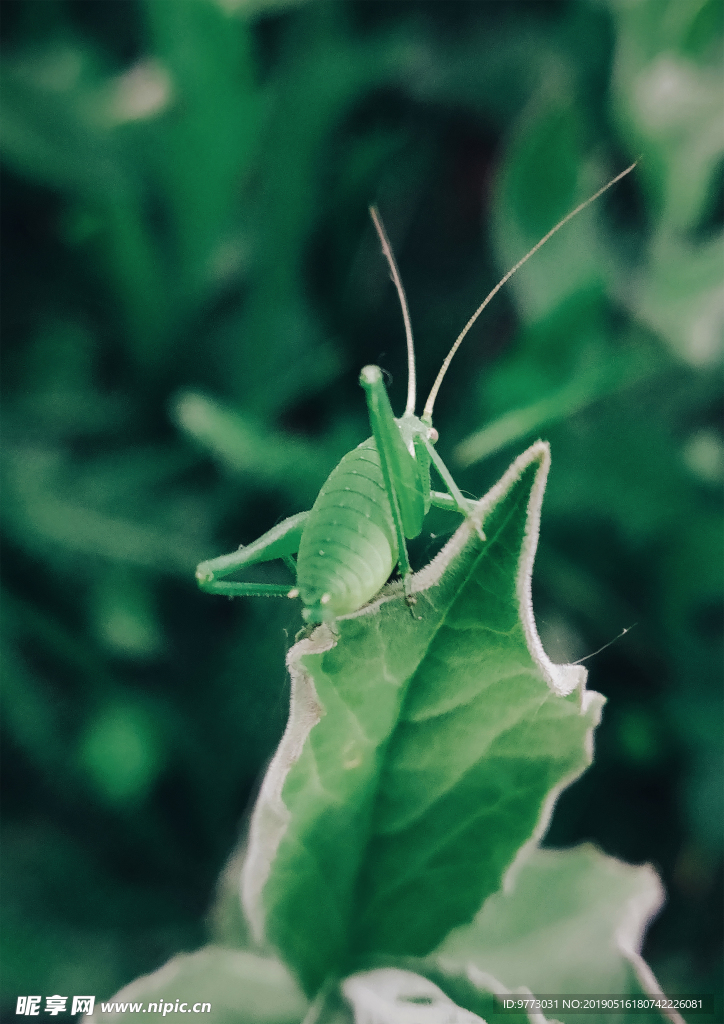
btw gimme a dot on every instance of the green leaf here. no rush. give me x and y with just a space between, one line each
422 752
240 987
539 183
60 126
682 298
210 62
415 992
668 105
392 996
242 445
55 125
592 383
571 922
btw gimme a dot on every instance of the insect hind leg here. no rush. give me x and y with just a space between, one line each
398 470
282 541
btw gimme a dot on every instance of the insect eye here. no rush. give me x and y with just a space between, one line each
433 435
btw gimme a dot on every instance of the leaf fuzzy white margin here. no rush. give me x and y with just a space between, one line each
270 817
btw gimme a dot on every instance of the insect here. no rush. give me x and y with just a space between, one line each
350 541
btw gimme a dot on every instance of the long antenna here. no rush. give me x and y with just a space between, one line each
427 411
387 250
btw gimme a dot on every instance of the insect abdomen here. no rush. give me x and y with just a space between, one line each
348 548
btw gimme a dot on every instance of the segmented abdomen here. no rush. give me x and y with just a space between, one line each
348 548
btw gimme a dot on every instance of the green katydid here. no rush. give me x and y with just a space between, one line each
349 542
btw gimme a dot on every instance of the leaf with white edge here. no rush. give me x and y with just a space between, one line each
225 922
239 987
483 996
422 752
570 922
392 996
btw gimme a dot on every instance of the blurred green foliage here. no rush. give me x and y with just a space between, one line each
191 285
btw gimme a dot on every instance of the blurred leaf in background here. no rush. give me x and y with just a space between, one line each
190 287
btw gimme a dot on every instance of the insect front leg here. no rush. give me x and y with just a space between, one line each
282 541
441 499
454 499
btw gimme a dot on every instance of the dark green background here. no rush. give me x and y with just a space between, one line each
190 287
